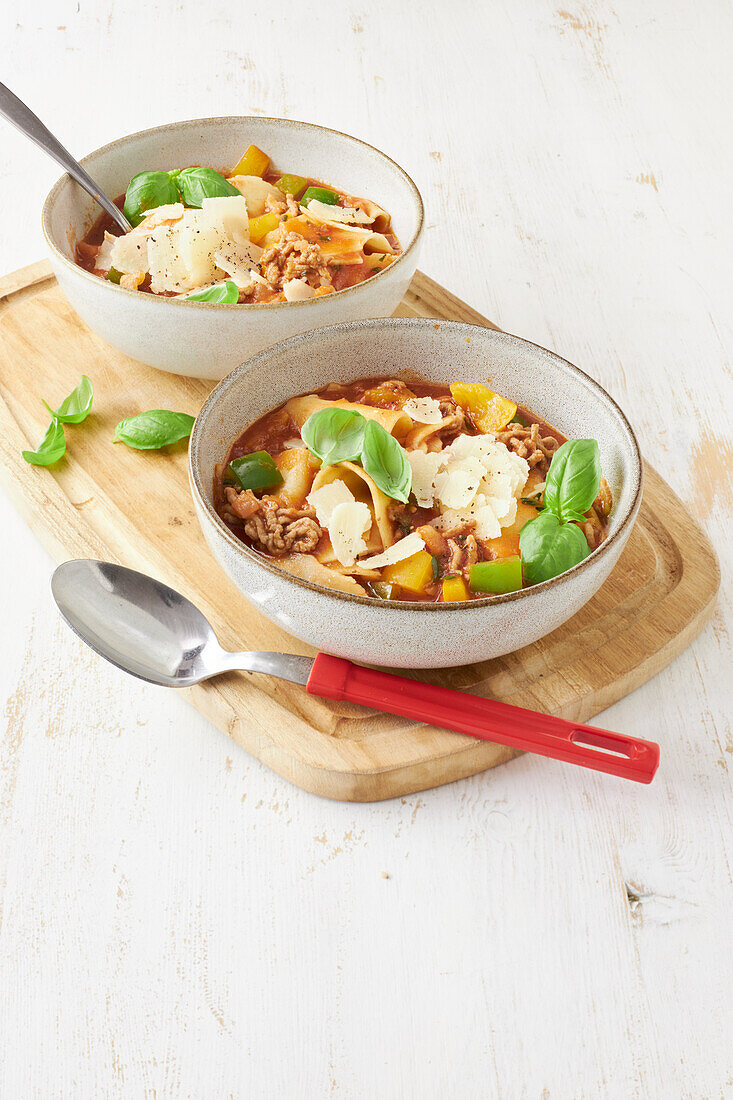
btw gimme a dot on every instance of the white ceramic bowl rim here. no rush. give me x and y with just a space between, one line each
114 288
345 327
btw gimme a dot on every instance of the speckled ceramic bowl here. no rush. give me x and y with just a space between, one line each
390 632
201 338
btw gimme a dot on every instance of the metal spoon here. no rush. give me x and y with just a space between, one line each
15 111
153 632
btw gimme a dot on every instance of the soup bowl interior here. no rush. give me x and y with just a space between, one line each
398 632
208 339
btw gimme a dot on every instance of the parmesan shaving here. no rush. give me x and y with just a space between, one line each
171 212
398 551
425 410
297 290
475 480
256 192
229 215
328 497
239 261
347 527
326 213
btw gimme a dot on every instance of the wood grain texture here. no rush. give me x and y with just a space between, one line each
118 504
177 921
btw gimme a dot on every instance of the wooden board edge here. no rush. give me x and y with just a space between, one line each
24 278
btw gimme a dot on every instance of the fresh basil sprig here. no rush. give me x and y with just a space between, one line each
386 462
335 435
549 547
197 184
147 190
344 435
223 294
552 543
72 410
149 431
51 448
573 479
75 408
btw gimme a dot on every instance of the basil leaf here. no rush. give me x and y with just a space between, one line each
335 435
549 547
75 408
147 190
197 184
154 429
386 462
51 448
573 479
226 293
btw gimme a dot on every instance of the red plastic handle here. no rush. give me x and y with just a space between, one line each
614 753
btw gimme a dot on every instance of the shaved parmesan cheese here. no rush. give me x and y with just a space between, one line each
297 290
398 551
166 267
457 485
475 480
198 241
256 191
103 259
424 469
425 410
228 214
239 261
130 253
324 212
171 212
347 527
328 497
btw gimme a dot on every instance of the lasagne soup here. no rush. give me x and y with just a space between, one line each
252 235
413 491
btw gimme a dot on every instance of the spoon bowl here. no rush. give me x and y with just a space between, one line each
137 623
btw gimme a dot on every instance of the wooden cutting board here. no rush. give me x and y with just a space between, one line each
108 502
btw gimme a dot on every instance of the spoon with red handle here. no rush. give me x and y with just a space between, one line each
156 634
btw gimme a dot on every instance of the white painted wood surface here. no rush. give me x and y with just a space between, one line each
176 920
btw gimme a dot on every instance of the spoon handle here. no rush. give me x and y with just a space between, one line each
602 750
15 111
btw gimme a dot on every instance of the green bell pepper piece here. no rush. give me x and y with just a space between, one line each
114 276
496 577
292 185
255 471
320 193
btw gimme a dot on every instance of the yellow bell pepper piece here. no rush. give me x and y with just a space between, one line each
413 574
253 163
490 411
454 588
260 227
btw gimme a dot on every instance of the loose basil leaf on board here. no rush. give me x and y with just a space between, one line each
147 190
51 448
549 547
335 435
76 407
223 294
154 429
573 479
386 462
255 471
197 184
